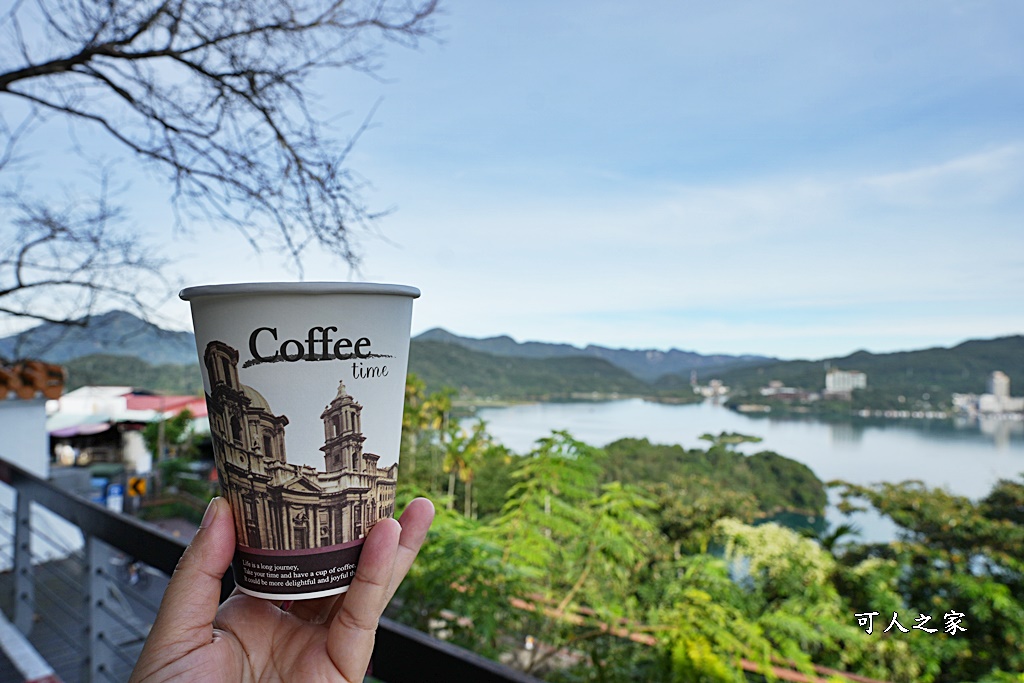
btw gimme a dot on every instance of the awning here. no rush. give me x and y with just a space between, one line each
80 430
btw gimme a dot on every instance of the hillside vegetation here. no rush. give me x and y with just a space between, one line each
107 370
645 364
482 375
116 333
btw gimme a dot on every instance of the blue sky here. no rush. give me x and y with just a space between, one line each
795 178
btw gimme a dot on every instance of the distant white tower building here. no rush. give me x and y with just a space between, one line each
998 399
999 384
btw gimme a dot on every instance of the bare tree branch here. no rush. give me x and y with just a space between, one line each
64 262
215 96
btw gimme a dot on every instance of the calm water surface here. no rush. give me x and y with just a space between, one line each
966 459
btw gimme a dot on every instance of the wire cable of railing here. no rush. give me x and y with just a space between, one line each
133 629
125 584
109 676
58 601
52 567
116 649
73 641
138 596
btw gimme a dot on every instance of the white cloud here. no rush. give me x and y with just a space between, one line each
975 180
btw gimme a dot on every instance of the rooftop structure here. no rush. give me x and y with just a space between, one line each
104 423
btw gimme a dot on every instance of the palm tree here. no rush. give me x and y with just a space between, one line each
462 454
437 418
415 419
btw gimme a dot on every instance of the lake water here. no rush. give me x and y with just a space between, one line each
964 458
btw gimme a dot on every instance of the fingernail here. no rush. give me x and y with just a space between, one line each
210 514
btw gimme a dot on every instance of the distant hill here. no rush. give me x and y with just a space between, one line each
117 333
644 364
484 375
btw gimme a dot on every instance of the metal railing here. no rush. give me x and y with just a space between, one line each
86 606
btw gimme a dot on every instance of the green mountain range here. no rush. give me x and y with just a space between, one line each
644 364
120 349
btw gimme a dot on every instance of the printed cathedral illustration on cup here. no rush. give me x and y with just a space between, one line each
304 387
296 506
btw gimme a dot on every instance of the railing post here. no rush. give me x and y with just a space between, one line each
99 665
24 579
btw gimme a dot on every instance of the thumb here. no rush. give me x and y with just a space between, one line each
185 619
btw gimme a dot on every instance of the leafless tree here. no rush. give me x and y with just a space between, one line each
215 96
62 260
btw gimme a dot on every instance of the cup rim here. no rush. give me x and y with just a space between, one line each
304 288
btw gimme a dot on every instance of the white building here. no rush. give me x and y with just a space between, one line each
840 381
24 391
714 389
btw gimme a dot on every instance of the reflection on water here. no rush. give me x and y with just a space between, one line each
845 433
1000 430
800 523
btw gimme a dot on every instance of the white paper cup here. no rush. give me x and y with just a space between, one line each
305 384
